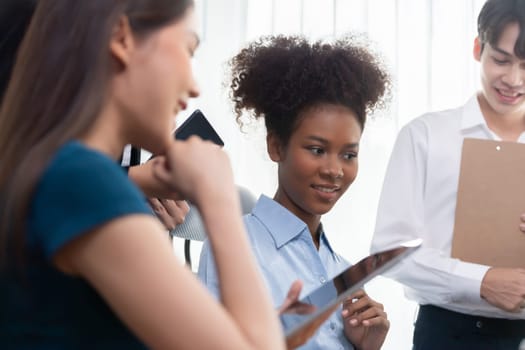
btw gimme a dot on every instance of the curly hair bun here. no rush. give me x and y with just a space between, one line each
276 77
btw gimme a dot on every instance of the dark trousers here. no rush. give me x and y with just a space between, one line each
440 329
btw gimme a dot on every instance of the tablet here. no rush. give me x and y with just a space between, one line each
348 282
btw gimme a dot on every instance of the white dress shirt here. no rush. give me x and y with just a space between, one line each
418 200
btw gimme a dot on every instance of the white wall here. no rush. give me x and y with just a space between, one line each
427 45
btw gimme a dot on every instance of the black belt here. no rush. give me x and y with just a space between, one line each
469 323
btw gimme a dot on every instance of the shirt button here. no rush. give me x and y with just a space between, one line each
479 324
332 326
322 279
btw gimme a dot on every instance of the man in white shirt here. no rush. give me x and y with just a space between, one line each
462 305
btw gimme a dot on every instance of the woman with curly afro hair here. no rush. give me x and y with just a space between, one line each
314 99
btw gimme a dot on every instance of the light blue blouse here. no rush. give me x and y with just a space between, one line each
286 252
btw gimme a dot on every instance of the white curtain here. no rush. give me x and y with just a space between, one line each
426 43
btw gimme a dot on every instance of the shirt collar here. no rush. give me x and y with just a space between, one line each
324 239
471 115
281 223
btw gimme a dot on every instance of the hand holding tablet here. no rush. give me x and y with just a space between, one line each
346 283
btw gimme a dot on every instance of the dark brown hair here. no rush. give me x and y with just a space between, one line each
278 77
57 89
495 16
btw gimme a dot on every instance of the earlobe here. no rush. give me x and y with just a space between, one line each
477 49
122 43
273 146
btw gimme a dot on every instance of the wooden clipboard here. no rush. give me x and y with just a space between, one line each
490 200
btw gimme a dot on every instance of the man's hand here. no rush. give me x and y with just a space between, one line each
504 288
365 321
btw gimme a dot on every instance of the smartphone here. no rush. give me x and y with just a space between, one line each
197 124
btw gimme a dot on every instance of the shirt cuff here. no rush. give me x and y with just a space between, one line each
468 284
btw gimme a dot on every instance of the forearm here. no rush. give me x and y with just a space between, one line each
439 279
141 177
240 283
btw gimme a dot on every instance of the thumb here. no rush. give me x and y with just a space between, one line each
295 290
292 296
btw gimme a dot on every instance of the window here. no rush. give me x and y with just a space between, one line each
426 43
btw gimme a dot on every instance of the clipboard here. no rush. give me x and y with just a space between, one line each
347 282
490 200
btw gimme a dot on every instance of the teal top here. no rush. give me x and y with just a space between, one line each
41 307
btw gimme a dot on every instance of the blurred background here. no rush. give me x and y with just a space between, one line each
427 45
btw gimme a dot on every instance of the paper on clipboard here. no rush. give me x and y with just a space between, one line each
490 200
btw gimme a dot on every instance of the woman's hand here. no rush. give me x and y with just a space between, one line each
171 213
292 305
199 170
144 177
365 321
301 336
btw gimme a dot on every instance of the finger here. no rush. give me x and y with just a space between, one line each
367 314
295 290
362 308
363 313
360 299
377 322
162 214
292 296
155 204
184 206
367 320
176 210
167 221
354 297
359 305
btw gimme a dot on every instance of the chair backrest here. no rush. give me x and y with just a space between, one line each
192 229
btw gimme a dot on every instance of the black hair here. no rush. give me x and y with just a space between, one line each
495 16
278 77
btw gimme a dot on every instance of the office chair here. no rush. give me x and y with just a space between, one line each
192 229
